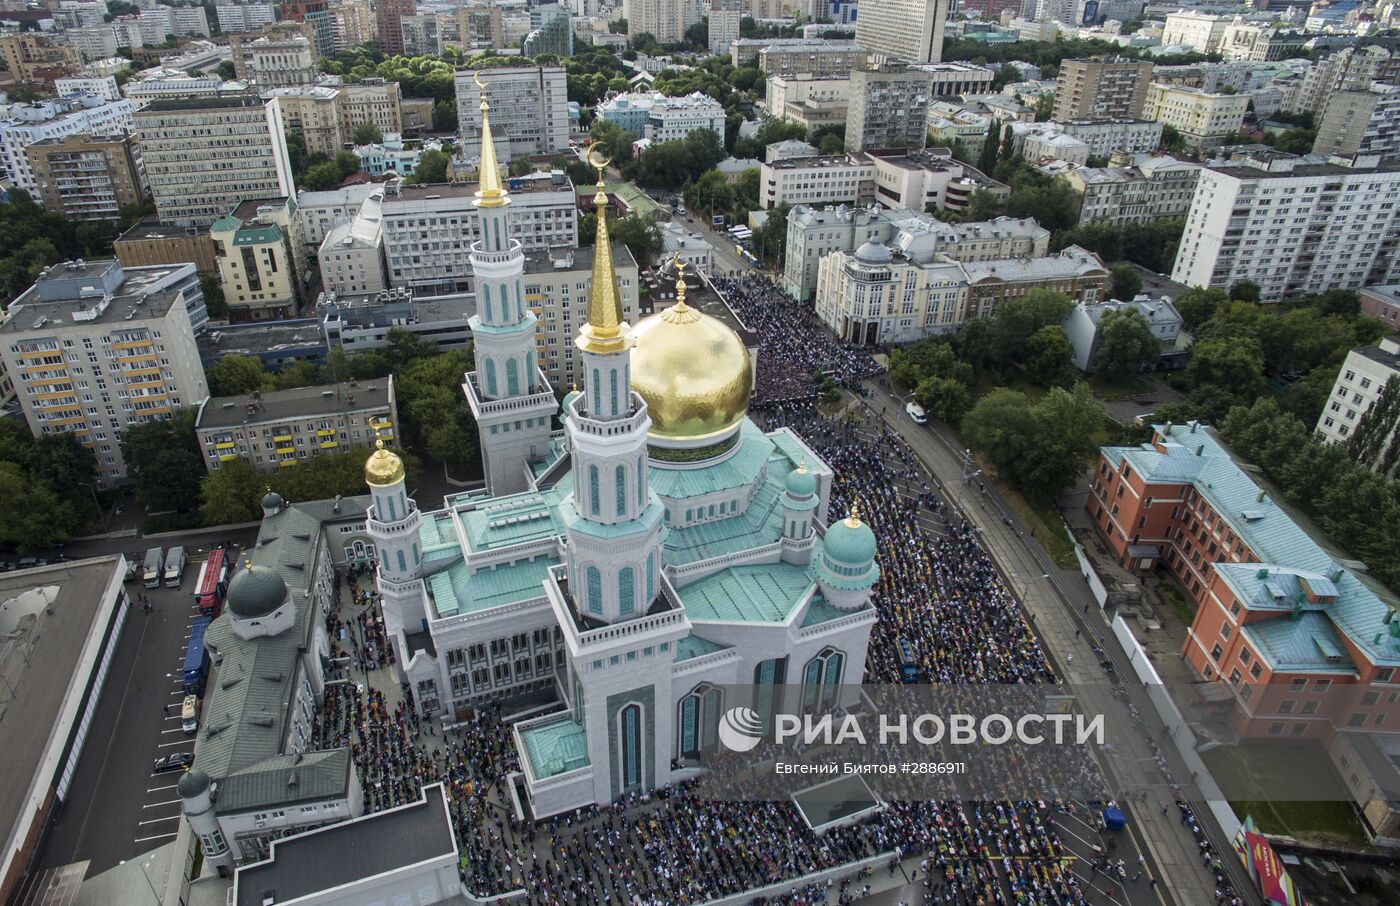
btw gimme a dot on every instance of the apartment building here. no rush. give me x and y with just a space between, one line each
724 22
279 56
1078 273
149 243
94 348
1361 122
911 30
374 101
97 42
810 100
261 267
673 118
351 258
86 177
888 108
1204 119
1293 638
319 211
789 56
311 112
1362 377
234 17
529 110
203 156
1097 90
274 429
479 26
55 119
1349 69
667 20
1291 225
352 23
101 87
557 286
1201 32
1151 188
815 232
428 229
389 17
35 59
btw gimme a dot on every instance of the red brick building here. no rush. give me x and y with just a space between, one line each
1306 645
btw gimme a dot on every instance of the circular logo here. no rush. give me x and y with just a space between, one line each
740 729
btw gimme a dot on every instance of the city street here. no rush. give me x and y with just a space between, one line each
117 808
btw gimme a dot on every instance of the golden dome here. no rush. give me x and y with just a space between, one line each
692 370
383 468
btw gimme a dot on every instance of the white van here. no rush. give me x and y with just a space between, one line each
916 412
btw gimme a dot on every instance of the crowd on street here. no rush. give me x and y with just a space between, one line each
938 593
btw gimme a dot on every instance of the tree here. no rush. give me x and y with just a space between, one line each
436 418
1172 139
615 142
230 494
367 134
322 176
943 398
1041 447
164 461
226 70
1016 319
1245 291
641 236
1197 306
831 143
710 193
431 168
31 514
236 375
444 116
1126 283
1224 370
770 239
1126 344
213 296
1047 356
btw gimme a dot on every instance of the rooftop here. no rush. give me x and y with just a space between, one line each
748 594
266 340
1386 354
47 619
350 851
303 402
555 747
395 191
151 228
1071 262
92 292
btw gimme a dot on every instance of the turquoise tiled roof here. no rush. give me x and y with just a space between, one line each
1194 455
739 470
517 519
821 611
693 646
556 747
457 590
765 593
1308 643
761 523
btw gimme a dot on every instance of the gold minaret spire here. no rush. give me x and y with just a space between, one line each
491 194
603 332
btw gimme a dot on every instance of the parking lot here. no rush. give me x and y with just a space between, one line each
118 807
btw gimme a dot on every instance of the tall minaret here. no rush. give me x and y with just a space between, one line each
392 524
509 395
615 530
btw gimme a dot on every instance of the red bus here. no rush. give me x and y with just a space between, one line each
213 582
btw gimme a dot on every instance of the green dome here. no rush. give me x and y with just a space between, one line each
256 591
192 783
849 541
801 483
272 500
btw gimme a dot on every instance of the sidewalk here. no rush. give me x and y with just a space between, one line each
1067 619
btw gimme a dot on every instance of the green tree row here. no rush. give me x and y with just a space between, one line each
47 490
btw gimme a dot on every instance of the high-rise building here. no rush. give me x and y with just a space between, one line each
315 14
29 123
888 108
205 155
1101 90
551 31
279 56
389 16
911 30
1361 122
1362 377
531 104
667 20
35 59
725 16
1292 226
374 101
86 177
138 327
235 17
479 26
353 23
311 112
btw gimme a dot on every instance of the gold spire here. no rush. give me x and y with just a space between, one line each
802 466
853 520
603 332
491 194
680 313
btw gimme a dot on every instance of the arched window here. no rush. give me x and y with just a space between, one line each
612 380
512 377
820 677
595 590
699 719
626 591
491 377
651 577
505 304
519 302
629 722
593 505
620 479
641 483
597 407
403 567
529 370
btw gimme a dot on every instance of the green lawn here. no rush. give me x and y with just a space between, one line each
1178 603
1106 389
1327 818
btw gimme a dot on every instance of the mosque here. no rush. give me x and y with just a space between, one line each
616 576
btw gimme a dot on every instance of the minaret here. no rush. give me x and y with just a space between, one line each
509 395
615 527
800 502
392 523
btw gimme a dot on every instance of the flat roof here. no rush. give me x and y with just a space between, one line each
350 851
260 339
150 227
514 186
129 303
301 402
47 617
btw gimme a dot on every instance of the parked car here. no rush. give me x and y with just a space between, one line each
177 762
